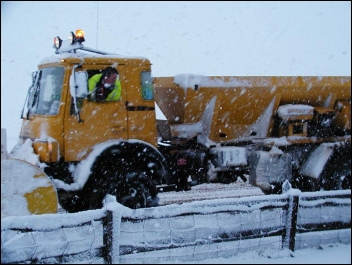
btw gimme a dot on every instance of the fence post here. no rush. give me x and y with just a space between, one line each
288 240
107 236
111 232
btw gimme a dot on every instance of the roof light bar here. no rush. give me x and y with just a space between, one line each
73 43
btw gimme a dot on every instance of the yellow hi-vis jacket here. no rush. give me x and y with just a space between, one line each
115 94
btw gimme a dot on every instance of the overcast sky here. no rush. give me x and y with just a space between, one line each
206 38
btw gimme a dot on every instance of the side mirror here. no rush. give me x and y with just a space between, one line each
78 90
79 84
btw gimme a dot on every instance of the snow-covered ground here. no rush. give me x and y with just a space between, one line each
208 191
323 254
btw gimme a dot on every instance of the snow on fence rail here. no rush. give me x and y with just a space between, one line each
191 231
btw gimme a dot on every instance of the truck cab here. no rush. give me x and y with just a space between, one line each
59 105
68 127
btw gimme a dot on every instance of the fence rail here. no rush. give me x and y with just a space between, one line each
191 231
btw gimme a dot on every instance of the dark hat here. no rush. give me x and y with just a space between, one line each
109 70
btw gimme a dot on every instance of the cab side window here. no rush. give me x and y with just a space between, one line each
92 92
147 85
104 85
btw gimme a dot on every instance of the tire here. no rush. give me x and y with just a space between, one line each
132 188
135 190
128 171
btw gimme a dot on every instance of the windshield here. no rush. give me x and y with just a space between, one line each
45 93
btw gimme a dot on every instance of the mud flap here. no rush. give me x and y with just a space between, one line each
269 170
328 165
26 190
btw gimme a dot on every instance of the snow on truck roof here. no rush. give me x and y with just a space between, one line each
191 80
57 58
73 49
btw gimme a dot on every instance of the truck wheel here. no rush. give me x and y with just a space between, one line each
128 171
132 188
135 190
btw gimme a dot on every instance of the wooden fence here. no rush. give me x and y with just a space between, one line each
187 232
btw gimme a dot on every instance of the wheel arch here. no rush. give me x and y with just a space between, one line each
131 151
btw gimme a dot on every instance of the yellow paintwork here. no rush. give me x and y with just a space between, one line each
240 103
102 121
43 197
238 107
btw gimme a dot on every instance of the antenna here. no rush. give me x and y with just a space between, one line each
96 44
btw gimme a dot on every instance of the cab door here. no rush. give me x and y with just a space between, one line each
141 107
96 122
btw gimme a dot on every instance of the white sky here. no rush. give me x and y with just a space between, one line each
205 38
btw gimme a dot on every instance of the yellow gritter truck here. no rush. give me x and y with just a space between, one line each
176 132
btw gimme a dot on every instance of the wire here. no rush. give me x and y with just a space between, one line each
96 44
